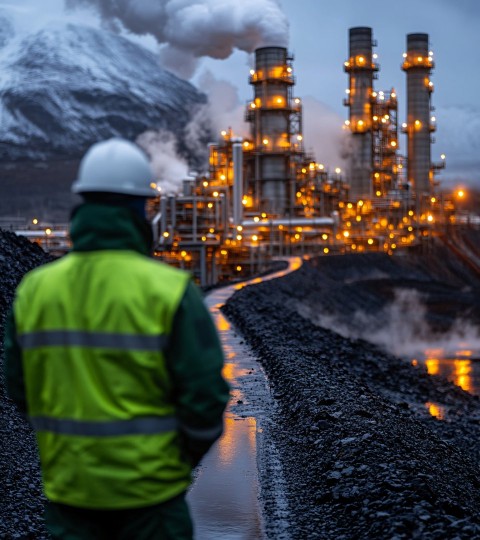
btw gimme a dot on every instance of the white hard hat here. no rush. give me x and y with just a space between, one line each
116 166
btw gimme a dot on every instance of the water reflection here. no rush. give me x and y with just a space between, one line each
458 370
462 368
224 497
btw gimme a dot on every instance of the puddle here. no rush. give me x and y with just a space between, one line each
224 498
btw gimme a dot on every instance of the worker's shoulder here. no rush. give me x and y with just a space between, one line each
38 273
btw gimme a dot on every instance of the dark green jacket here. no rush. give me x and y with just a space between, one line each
193 357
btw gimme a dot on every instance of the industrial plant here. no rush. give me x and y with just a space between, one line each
265 196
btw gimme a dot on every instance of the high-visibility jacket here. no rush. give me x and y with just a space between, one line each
93 327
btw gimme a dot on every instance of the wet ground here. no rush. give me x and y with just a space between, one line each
225 498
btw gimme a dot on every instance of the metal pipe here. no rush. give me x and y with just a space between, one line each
294 222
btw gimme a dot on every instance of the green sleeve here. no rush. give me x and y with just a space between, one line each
13 366
195 361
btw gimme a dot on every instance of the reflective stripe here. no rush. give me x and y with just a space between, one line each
203 434
148 425
80 338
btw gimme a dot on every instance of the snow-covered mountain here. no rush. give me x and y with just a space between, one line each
65 87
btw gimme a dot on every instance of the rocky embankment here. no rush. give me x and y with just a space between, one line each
361 455
21 499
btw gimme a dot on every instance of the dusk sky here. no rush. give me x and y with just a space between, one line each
318 37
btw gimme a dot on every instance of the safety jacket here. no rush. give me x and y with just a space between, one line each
94 328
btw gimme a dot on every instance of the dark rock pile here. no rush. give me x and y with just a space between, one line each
21 499
361 455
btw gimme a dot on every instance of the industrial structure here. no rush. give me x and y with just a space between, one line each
264 196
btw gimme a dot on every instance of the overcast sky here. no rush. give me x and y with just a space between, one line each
319 40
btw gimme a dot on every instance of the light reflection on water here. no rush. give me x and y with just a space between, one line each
224 497
462 368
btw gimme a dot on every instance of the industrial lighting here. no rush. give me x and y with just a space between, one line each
279 100
252 105
254 237
264 215
443 156
338 170
347 122
346 234
418 124
239 228
374 94
404 125
256 219
361 60
375 55
183 254
210 205
239 237
370 241
326 250
239 268
223 133
48 232
433 119
215 193
420 59
393 143
265 141
360 123
393 95
321 166
222 177
246 144
205 184
166 234
299 138
375 118
325 236
297 100
252 72
289 69
404 55
347 91
346 64
378 193
34 221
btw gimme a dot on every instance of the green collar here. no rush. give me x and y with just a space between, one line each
97 227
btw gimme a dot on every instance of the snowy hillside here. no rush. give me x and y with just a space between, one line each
66 87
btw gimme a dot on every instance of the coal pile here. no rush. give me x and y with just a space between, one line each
21 506
361 455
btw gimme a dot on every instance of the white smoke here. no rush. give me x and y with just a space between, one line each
191 29
401 328
169 168
324 133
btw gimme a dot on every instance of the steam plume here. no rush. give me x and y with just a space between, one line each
190 29
397 333
169 168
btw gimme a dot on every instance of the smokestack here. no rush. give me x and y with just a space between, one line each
237 152
270 114
418 64
360 67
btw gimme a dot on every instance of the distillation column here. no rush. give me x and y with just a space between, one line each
418 63
270 115
360 67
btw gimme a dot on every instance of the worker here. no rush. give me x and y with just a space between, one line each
116 362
